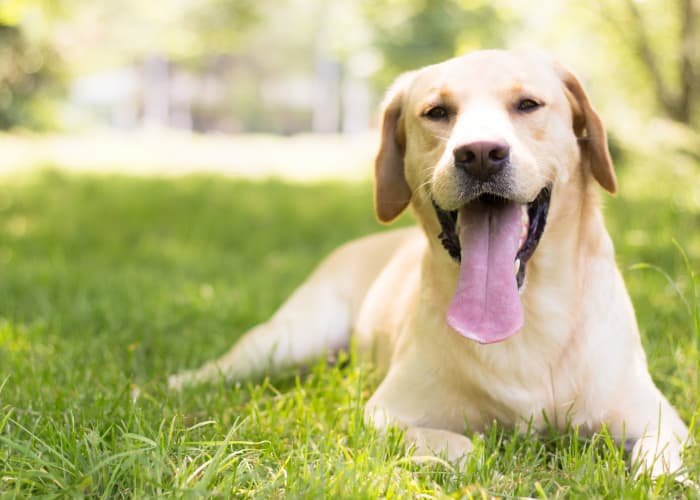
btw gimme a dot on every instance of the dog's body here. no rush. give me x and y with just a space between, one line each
477 145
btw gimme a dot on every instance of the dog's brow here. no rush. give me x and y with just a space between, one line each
445 92
440 91
436 96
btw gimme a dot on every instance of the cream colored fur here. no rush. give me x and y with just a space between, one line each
576 361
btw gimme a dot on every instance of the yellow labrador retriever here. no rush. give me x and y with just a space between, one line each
505 303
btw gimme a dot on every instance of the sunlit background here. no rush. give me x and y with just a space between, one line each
171 170
174 86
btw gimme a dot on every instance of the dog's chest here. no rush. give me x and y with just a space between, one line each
517 383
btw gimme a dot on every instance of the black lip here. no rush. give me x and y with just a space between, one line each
448 237
537 211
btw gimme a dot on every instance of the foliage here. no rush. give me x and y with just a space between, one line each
222 24
110 283
31 75
415 33
656 42
643 53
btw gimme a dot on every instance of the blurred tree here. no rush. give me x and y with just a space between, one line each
222 25
412 33
31 77
669 53
108 33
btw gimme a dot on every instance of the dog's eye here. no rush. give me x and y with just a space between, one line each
437 113
527 105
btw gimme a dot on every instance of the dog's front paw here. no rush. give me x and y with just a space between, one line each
658 456
430 443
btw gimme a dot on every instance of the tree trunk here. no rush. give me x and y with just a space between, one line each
688 58
678 104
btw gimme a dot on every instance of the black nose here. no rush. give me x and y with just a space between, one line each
482 159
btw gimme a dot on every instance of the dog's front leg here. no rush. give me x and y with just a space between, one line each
430 422
425 442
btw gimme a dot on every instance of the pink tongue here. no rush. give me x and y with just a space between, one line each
486 306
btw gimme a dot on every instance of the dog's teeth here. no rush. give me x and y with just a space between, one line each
517 265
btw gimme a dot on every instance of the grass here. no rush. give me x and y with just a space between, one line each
110 283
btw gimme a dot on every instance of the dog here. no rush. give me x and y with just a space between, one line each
505 302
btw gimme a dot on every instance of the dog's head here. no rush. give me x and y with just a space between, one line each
479 144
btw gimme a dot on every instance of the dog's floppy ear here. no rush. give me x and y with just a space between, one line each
391 191
590 131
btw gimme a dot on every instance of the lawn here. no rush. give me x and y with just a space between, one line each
109 283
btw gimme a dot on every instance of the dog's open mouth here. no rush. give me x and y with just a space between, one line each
493 238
